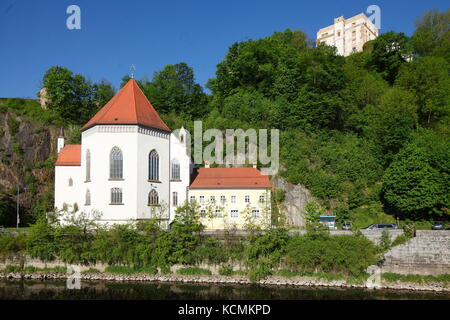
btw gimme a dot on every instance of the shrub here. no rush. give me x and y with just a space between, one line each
193 271
165 270
11 245
262 270
13 125
346 254
226 270
385 240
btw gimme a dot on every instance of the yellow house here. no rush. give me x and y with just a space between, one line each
232 198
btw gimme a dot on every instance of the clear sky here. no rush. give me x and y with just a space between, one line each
150 34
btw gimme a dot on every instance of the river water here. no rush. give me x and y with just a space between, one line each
94 290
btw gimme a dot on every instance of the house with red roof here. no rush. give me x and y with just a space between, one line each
131 166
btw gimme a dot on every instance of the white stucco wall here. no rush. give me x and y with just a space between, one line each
179 144
65 193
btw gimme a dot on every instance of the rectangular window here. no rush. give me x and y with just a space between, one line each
261 198
233 199
222 199
202 199
192 198
247 199
255 214
203 213
212 199
217 213
175 198
234 213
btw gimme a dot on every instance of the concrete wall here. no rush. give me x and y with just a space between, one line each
426 254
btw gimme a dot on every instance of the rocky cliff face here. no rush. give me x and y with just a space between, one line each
296 198
27 151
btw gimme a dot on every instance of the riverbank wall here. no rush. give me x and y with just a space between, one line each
238 280
428 253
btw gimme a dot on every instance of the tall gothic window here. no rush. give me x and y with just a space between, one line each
153 199
116 196
88 198
153 165
115 164
175 198
88 165
175 170
70 182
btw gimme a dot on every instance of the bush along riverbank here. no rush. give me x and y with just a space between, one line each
144 249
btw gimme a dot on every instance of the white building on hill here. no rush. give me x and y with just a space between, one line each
131 166
348 35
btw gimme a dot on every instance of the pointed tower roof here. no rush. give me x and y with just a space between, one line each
128 106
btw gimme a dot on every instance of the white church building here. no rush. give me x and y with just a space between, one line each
130 166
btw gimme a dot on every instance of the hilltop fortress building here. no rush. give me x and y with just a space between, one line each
348 35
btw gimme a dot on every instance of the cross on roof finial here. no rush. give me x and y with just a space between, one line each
132 68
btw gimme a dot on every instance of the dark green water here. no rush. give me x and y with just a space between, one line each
92 290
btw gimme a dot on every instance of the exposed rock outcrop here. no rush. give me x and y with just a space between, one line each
296 198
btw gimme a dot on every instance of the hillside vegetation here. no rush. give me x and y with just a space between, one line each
367 134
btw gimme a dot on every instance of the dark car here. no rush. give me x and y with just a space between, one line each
346 226
438 225
381 226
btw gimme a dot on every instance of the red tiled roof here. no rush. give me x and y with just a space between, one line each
70 155
128 106
223 178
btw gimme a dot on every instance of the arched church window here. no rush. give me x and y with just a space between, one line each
115 164
153 165
70 182
175 170
153 199
88 165
88 198
116 196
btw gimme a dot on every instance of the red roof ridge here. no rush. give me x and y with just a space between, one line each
128 106
216 178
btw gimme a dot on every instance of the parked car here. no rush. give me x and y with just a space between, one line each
347 226
381 226
438 225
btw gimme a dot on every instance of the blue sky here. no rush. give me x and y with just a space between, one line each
150 34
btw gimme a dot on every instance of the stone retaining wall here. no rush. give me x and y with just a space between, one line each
426 254
271 281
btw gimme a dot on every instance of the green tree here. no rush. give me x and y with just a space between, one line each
390 122
390 51
432 34
428 79
174 89
69 94
103 92
416 184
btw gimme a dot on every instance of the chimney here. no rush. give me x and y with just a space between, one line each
254 165
60 144
206 164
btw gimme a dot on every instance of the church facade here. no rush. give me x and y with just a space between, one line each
130 165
